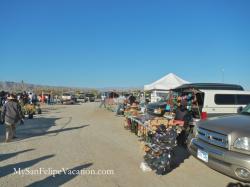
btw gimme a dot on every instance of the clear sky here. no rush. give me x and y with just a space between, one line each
110 43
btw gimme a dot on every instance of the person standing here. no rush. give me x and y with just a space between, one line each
103 98
11 115
30 96
131 99
48 101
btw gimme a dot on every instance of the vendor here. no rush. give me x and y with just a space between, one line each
181 112
131 99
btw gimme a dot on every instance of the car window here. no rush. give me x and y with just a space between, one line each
225 99
89 95
246 110
66 94
243 99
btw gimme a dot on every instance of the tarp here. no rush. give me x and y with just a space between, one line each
167 82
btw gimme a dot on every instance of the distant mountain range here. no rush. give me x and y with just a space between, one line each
22 86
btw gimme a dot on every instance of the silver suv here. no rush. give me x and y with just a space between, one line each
223 143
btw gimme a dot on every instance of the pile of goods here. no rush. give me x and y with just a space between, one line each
159 150
30 110
156 122
132 110
168 123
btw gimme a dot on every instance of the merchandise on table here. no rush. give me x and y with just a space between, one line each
160 133
132 110
159 152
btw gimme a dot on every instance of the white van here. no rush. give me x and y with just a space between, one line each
217 102
217 99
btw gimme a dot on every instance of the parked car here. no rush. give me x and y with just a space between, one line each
82 98
90 97
223 143
68 98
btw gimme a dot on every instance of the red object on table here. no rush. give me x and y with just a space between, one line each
178 123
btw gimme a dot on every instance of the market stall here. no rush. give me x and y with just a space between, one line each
161 87
162 133
159 135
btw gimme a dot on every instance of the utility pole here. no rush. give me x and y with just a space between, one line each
22 86
223 76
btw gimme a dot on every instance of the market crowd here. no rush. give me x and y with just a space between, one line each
13 109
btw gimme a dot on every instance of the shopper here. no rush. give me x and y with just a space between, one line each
103 98
131 99
48 100
11 115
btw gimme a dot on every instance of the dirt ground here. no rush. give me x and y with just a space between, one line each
84 137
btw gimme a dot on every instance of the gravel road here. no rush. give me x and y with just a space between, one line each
66 139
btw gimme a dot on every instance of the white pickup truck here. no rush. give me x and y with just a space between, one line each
68 98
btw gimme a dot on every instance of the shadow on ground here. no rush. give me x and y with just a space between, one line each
237 185
39 127
9 169
180 155
60 179
24 135
31 127
10 155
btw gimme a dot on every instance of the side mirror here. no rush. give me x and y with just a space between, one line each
239 110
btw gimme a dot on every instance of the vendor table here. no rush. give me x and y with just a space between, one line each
140 125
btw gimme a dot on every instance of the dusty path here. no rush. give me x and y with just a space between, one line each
85 137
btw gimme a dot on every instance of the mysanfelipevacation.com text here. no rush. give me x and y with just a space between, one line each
62 171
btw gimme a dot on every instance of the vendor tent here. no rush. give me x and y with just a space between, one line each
167 82
160 89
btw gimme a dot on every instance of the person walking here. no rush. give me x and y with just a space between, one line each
11 115
103 98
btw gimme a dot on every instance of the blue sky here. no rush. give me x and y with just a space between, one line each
106 43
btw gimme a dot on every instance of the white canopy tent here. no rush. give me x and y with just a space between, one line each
167 82
163 85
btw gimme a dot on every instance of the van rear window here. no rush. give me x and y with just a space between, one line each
243 99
